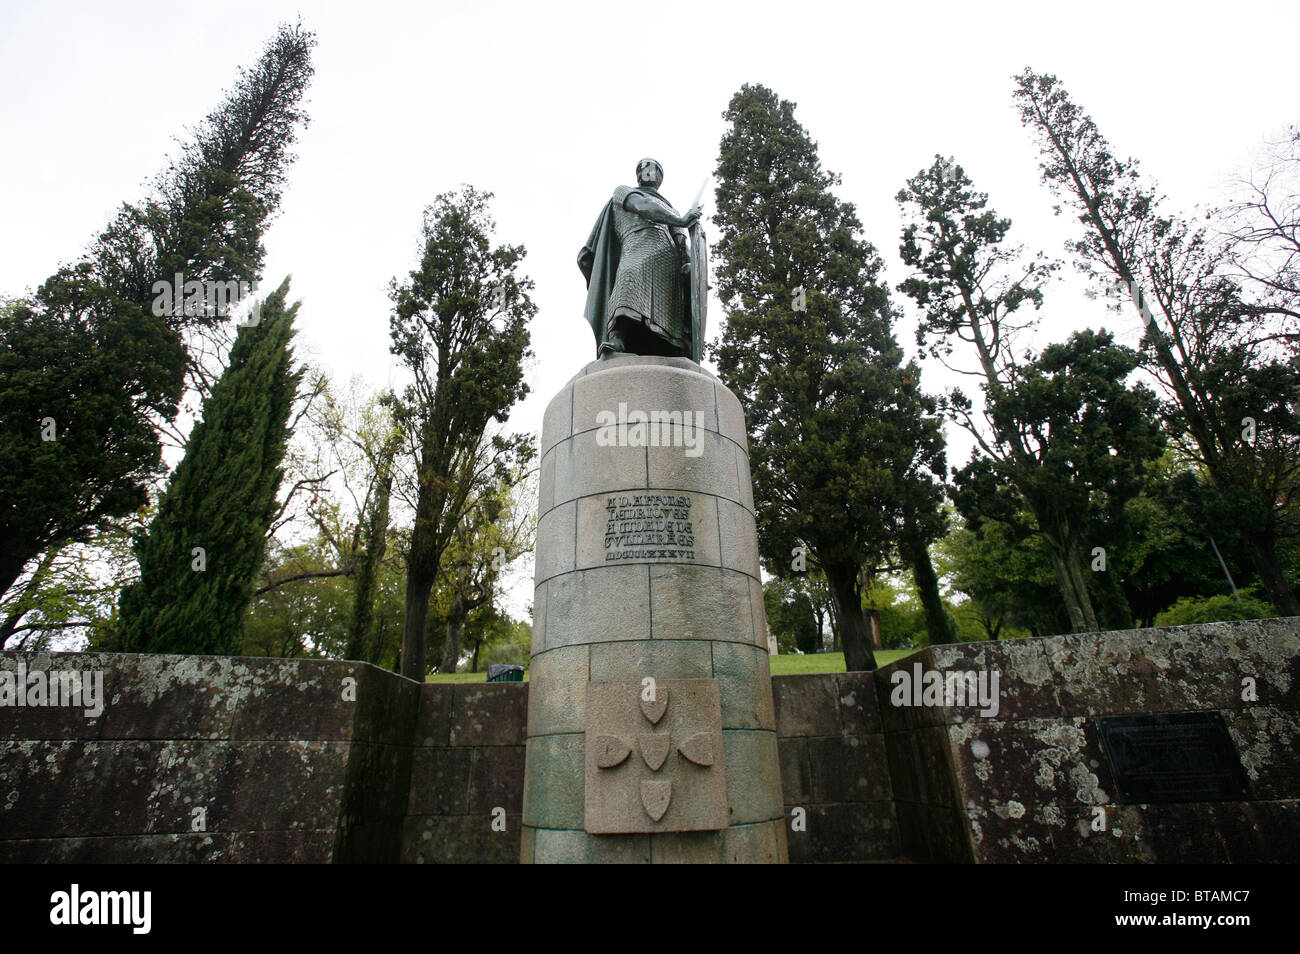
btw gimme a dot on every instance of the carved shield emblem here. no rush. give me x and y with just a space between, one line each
654 748
611 751
655 796
698 748
654 711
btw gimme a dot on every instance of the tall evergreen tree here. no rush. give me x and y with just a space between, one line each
200 557
460 325
88 371
844 446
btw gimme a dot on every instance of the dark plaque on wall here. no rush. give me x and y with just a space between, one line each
1173 757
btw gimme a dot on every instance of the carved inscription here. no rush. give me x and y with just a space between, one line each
649 526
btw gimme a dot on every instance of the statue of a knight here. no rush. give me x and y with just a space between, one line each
647 273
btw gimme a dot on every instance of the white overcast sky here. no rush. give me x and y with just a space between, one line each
550 105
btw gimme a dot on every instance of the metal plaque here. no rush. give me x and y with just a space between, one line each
1173 757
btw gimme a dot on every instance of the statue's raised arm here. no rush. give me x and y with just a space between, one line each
647 273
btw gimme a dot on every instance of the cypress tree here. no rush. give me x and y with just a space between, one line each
845 447
201 555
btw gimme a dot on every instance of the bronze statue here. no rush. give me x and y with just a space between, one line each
647 273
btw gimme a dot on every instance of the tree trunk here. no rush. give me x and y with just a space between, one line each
455 626
1115 612
361 640
1264 555
937 623
855 633
414 619
1074 563
1065 581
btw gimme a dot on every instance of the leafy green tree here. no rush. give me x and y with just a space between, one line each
1215 609
460 326
1004 568
493 637
1206 340
844 446
200 557
791 617
88 371
498 528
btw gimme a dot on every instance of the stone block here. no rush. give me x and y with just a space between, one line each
558 691
859 713
553 782
731 417
584 469
806 705
1171 669
285 700
496 778
689 848
839 834
489 713
552 847
653 390
654 765
796 773
609 603
284 785
758 612
759 844
852 769
433 725
660 659
1031 763
540 599
557 421
556 537
712 471
546 485
745 682
696 602
739 538
460 839
743 478
440 782
934 833
647 527
753 776
1268 744
1026 683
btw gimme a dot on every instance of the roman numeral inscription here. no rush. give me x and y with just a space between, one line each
649 527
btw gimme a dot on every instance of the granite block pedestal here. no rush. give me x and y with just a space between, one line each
651 733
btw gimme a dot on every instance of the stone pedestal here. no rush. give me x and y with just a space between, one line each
651 734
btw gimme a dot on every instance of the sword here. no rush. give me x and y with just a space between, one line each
700 195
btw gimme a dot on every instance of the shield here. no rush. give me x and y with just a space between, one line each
699 289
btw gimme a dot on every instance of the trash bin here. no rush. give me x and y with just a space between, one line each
501 672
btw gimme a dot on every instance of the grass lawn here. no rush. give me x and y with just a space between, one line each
782 665
793 664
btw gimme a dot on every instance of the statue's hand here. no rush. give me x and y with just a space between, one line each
692 217
686 268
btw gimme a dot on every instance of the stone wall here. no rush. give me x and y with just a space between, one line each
467 780
197 758
833 768
317 761
1034 783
